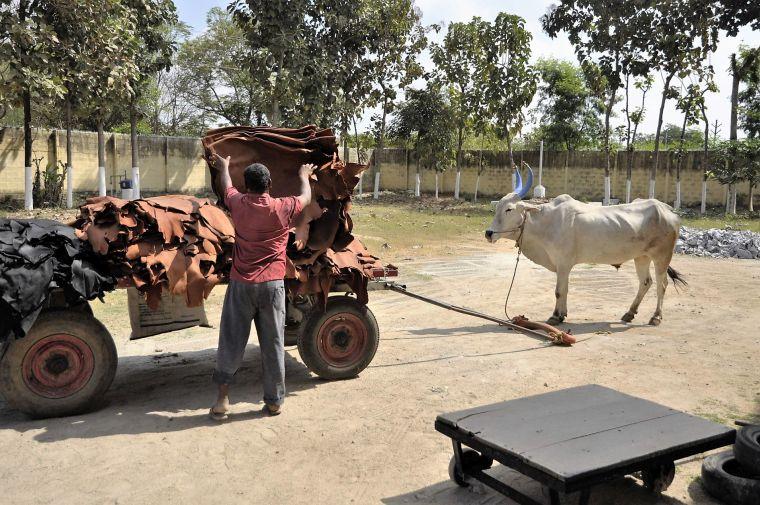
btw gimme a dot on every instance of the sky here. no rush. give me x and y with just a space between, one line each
438 11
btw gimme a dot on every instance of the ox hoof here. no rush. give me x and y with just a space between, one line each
628 317
655 321
554 320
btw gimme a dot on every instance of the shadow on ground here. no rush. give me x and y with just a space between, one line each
623 491
147 390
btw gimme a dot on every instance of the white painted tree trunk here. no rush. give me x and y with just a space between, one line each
703 207
677 203
728 199
733 199
376 194
628 191
101 181
651 188
514 180
607 191
69 186
436 185
28 184
477 184
456 185
361 183
135 183
417 185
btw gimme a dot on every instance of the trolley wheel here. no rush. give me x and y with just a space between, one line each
61 367
658 478
341 341
471 460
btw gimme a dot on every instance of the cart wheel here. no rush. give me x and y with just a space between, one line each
659 477
341 341
470 460
61 367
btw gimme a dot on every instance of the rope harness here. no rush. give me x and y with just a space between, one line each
518 244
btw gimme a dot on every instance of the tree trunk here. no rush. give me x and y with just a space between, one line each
653 172
732 133
477 185
705 160
607 113
275 119
69 168
436 184
460 141
679 164
751 196
101 159
133 141
417 182
26 97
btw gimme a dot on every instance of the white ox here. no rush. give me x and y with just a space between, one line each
565 232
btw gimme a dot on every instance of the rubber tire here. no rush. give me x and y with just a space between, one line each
307 340
658 478
747 449
719 479
470 459
18 395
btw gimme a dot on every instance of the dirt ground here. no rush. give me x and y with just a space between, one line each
371 439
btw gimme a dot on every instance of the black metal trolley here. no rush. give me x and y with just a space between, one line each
573 439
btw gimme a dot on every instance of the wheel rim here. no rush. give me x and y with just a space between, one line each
58 366
342 340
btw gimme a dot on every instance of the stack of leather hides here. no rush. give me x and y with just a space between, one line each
36 257
176 243
322 250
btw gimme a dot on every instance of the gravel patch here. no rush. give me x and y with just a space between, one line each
716 243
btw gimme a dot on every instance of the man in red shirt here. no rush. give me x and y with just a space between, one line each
256 291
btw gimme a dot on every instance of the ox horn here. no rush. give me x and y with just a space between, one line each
518 182
524 189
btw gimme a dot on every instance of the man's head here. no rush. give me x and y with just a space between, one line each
257 178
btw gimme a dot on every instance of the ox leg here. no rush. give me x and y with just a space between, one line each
661 275
560 293
645 282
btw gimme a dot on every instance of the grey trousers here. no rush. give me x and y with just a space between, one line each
264 303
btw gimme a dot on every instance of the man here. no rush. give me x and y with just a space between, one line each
256 290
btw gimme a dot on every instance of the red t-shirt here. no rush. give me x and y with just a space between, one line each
261 225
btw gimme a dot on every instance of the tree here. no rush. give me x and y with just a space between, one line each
217 73
685 33
608 42
690 103
633 117
27 46
735 161
749 98
426 118
400 38
566 110
511 81
278 32
154 24
460 61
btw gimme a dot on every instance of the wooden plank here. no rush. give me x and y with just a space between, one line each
607 450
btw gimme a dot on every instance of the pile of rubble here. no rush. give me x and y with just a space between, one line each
717 243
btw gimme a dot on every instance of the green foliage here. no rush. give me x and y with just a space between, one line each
749 97
567 112
511 81
426 120
736 160
47 186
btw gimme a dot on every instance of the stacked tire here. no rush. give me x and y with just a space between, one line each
733 477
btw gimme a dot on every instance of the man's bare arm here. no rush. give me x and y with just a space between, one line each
304 173
223 165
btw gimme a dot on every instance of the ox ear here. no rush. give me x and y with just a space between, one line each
527 207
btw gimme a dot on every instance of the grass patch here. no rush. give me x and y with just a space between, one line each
716 218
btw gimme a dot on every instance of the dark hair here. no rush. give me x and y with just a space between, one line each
257 178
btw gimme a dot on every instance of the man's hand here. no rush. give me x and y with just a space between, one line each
221 163
305 173
223 166
306 170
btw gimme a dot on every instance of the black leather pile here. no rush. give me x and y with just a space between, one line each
36 257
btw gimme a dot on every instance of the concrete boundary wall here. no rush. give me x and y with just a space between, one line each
174 165
167 164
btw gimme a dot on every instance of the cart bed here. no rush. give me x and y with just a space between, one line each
574 438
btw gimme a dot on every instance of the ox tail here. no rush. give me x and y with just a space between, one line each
676 277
